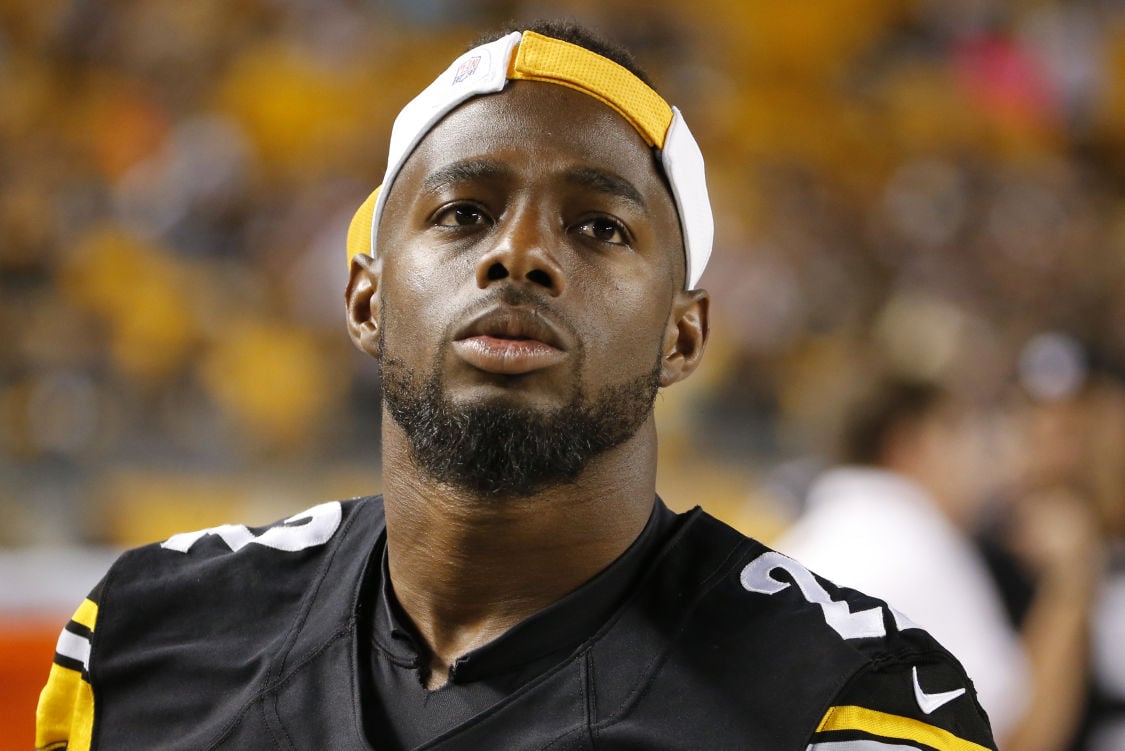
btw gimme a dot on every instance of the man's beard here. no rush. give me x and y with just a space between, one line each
507 451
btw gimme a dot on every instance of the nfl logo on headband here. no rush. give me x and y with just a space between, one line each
467 69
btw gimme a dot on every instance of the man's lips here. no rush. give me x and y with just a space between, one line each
510 341
507 356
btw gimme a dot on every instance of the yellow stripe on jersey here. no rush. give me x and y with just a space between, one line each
893 727
86 614
64 718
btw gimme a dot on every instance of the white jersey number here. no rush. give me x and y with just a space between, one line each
757 577
307 529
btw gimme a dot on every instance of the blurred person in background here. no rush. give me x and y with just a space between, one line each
1070 418
897 518
526 278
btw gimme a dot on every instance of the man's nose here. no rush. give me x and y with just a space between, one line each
525 251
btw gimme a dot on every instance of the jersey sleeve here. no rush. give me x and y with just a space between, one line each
64 718
926 703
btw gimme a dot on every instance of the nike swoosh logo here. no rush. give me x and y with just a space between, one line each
930 703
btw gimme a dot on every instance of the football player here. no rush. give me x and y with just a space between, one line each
527 278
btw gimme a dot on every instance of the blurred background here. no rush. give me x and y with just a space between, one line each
930 188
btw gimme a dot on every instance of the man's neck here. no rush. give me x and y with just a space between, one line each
466 569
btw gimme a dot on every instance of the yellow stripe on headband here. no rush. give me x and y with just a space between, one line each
359 231
543 58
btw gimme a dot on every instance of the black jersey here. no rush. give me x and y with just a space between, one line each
238 638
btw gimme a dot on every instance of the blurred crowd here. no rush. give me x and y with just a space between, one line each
931 188
922 185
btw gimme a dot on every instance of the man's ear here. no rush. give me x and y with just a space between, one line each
362 301
685 336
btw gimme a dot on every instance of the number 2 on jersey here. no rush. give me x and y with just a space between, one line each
757 577
319 524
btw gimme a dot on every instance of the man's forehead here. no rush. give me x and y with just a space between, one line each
477 135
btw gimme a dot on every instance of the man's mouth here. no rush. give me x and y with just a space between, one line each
510 341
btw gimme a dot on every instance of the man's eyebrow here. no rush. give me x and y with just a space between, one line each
464 171
606 182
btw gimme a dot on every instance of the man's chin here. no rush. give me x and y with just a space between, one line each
529 402
496 449
510 442
534 391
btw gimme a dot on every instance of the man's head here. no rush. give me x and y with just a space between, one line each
528 294
922 430
887 417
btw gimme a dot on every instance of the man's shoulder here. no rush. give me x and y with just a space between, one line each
234 566
727 627
193 627
760 589
313 532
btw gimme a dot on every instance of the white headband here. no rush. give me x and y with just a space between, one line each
530 56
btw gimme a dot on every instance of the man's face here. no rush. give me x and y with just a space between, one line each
530 259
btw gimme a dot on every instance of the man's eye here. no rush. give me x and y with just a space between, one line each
461 216
604 230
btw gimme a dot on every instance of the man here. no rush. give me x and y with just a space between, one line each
525 277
